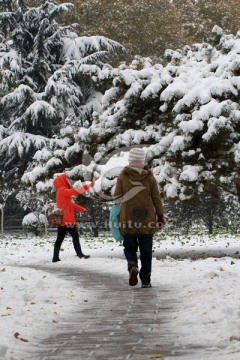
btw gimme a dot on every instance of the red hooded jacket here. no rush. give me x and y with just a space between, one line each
64 199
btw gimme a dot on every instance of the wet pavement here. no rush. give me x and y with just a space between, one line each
122 322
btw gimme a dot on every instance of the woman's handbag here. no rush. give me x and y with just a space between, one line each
55 218
113 222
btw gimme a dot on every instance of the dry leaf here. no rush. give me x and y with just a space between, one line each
155 356
17 336
234 337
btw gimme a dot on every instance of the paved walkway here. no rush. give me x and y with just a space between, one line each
123 323
120 322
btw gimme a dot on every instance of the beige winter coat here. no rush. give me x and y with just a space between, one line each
138 193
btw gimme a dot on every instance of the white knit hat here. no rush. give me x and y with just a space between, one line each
136 154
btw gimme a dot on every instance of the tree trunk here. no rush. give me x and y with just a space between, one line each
238 192
210 226
46 223
2 221
95 232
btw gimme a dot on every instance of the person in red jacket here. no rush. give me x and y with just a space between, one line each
64 194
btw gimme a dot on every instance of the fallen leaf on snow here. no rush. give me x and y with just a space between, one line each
17 336
155 356
234 337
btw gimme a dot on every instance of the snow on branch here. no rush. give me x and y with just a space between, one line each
21 143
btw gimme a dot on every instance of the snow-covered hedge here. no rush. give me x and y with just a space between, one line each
33 223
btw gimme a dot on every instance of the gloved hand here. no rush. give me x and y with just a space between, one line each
85 212
161 221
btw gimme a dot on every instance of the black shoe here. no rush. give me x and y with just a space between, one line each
146 284
55 260
133 276
82 256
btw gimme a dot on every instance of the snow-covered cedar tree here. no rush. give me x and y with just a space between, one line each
40 80
187 113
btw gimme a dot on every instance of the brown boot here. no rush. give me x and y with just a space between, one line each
133 276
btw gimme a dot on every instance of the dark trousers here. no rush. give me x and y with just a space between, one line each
62 230
144 243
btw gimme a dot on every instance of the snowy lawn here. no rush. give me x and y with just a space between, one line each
33 303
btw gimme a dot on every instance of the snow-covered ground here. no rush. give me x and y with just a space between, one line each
33 303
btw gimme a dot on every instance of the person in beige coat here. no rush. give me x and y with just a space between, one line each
141 215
